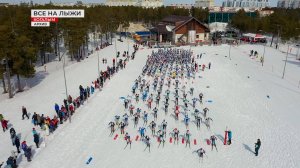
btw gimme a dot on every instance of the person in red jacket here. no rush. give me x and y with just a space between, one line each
71 108
4 124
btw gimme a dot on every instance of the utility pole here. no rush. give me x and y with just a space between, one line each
277 36
287 54
66 88
229 50
263 59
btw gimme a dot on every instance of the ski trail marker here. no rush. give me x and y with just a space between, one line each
208 141
89 160
116 136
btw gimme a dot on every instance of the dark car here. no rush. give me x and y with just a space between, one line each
245 39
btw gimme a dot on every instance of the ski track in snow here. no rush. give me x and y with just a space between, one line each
240 103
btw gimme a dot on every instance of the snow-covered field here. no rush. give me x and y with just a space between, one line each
250 100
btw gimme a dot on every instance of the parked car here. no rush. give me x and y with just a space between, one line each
254 40
262 40
245 39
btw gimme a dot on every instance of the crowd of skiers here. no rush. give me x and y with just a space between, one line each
169 69
63 112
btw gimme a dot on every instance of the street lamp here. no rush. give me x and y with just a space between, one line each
287 54
298 46
97 50
229 50
66 88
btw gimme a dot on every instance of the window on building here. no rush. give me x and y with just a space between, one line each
197 36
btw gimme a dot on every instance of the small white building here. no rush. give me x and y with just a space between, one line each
288 4
246 3
204 3
141 3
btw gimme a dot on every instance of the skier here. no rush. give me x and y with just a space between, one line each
161 138
192 91
164 126
257 146
213 142
142 131
186 120
205 110
157 100
198 121
168 92
167 99
117 118
209 65
152 126
112 127
176 114
131 108
185 102
24 113
136 119
229 137
125 116
200 153
201 97
122 126
176 99
149 102
176 135
127 139
126 103
137 96
194 102
147 141
207 122
166 107
188 138
155 110
145 118
203 67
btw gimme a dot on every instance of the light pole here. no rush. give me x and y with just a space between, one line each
287 54
66 88
116 49
229 50
98 49
298 45
263 58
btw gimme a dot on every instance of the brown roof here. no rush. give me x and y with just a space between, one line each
191 18
182 20
175 18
